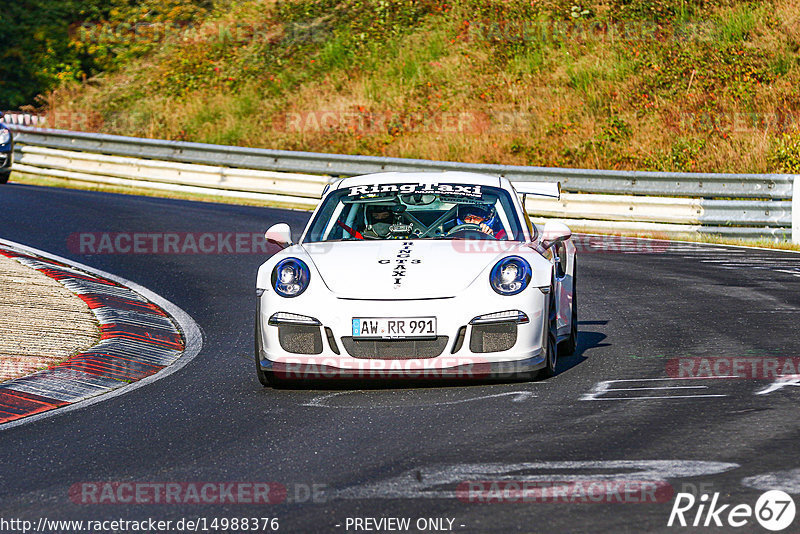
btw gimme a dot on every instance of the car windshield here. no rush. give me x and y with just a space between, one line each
416 211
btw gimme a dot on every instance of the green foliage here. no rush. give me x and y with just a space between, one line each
714 68
785 153
34 49
569 9
616 130
364 20
124 30
316 37
659 10
683 156
529 62
46 44
737 25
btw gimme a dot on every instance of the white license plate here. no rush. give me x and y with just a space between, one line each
394 327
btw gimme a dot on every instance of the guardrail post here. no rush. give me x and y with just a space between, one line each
796 210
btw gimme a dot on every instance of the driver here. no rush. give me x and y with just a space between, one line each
481 217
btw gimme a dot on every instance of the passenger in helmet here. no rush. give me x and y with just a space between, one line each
378 220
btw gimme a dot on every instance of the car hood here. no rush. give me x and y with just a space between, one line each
397 269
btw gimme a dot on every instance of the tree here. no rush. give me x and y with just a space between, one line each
45 43
34 48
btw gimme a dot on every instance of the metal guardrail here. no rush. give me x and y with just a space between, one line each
742 205
766 186
288 189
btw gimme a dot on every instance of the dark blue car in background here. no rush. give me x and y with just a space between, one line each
6 151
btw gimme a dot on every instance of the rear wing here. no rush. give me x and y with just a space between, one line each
539 189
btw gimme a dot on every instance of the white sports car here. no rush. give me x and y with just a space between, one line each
418 275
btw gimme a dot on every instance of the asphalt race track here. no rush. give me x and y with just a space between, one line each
633 404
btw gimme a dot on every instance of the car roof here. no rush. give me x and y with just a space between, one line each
449 177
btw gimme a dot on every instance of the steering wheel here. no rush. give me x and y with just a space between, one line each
465 226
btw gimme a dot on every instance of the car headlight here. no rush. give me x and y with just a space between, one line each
5 136
290 277
510 275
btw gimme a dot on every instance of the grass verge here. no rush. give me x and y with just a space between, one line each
663 85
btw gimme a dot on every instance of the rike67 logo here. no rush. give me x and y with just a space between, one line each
774 510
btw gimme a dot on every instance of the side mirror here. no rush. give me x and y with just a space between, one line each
554 233
279 234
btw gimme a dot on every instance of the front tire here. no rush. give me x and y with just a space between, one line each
267 378
568 346
4 175
551 355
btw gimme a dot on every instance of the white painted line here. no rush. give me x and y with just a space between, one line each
317 402
320 401
648 398
788 481
604 387
708 246
191 331
662 387
780 383
441 481
673 378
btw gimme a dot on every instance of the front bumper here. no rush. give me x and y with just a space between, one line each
6 157
6 152
329 352
315 368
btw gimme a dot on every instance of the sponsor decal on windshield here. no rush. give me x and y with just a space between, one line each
420 188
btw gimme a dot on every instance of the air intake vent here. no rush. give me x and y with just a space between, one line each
332 340
394 349
300 339
495 337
